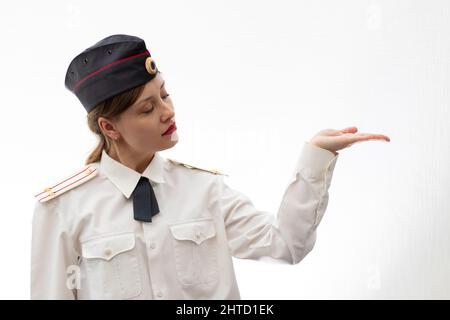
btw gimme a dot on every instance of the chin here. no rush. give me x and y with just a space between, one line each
168 145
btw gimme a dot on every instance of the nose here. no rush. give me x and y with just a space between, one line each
168 112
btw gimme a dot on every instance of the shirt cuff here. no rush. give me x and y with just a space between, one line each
315 161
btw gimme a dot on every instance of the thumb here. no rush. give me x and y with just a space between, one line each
349 130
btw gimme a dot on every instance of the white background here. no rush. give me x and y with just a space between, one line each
251 81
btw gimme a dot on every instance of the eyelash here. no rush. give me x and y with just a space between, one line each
164 98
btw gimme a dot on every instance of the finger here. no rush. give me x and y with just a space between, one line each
329 132
369 136
349 130
377 136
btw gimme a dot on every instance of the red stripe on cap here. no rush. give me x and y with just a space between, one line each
75 87
69 184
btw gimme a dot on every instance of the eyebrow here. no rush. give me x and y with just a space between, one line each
148 98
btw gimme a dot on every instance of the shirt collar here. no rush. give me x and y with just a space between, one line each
126 179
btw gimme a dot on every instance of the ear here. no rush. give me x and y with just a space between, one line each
109 128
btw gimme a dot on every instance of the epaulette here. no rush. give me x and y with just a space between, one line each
213 171
67 184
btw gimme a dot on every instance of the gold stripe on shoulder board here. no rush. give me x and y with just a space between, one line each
213 171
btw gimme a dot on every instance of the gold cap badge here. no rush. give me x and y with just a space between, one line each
150 65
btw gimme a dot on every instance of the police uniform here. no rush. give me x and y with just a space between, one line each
88 244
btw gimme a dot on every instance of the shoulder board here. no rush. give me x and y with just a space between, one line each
213 171
76 179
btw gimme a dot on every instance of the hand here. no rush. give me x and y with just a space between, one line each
333 140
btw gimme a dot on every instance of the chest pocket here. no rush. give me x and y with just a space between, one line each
195 249
111 267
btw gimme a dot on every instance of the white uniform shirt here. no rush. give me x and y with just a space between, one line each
87 245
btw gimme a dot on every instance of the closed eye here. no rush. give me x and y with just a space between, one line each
150 110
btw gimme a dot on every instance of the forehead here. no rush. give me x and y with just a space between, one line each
154 84
151 89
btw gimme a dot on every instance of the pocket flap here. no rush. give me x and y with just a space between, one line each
196 231
107 247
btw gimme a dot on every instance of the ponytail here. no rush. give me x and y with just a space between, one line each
96 154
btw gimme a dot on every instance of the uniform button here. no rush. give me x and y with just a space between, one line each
159 294
152 245
108 252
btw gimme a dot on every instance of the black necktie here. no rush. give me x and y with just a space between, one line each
145 205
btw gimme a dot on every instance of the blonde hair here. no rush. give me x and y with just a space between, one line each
109 109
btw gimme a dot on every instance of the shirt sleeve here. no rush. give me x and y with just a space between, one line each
53 257
290 235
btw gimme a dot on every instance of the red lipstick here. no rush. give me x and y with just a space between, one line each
171 129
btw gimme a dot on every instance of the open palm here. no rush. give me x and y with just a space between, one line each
334 140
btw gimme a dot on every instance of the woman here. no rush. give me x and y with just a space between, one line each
134 225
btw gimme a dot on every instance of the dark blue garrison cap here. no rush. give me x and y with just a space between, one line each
111 66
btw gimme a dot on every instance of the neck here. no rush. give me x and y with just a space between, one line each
133 160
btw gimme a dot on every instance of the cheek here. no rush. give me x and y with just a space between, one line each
148 129
135 129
